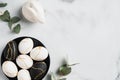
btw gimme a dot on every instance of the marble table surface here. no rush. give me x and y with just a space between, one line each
88 31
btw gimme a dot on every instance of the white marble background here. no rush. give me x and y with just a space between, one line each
87 30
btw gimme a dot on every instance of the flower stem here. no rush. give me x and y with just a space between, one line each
73 64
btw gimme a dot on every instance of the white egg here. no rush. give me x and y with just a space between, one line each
24 61
10 69
39 53
33 12
25 46
23 75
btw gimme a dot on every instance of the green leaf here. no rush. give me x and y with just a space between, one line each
3 4
15 19
64 70
6 16
17 28
10 24
12 21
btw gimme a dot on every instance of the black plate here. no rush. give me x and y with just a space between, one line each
36 43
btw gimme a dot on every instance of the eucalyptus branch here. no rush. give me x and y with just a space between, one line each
63 70
11 20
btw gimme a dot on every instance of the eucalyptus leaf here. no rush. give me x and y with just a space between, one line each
12 21
64 70
6 16
10 24
15 19
3 4
17 28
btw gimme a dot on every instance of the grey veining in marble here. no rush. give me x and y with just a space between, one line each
87 30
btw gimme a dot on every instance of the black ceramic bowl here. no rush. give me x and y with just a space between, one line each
36 43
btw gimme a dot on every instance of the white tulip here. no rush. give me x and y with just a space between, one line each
33 11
